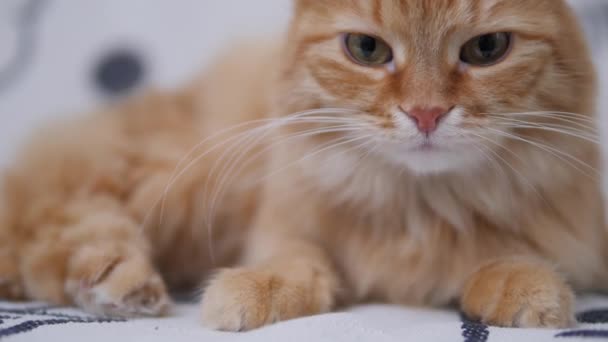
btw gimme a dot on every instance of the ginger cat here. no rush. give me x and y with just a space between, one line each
423 152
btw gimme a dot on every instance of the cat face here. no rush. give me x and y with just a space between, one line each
439 84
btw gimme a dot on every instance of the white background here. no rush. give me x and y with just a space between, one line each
177 36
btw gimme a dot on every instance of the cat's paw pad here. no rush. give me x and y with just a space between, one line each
521 295
119 287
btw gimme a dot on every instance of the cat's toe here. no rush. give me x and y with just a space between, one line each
120 287
521 295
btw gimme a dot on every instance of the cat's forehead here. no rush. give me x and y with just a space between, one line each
434 16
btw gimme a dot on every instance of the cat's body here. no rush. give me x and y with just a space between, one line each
421 218
119 162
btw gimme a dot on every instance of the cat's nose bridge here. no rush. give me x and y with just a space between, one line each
424 100
423 88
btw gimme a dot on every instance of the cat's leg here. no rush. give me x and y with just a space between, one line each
74 237
294 278
519 293
100 262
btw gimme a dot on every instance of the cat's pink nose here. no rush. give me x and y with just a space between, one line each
427 119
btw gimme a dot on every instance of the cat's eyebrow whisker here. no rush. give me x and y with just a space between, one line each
563 156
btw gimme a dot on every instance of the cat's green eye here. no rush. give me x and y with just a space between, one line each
367 50
487 49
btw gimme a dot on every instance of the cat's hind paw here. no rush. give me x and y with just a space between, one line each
117 285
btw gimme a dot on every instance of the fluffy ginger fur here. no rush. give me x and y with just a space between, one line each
504 216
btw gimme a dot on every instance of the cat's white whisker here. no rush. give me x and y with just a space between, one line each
323 148
491 160
564 123
517 172
549 114
228 173
311 116
252 122
341 142
563 156
346 125
582 121
308 133
283 139
592 132
550 128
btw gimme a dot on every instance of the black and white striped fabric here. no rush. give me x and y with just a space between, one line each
39 323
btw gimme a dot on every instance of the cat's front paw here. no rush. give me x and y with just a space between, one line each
242 300
117 285
519 294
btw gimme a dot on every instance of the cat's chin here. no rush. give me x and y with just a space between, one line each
429 160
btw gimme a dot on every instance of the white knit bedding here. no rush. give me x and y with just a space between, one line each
40 323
